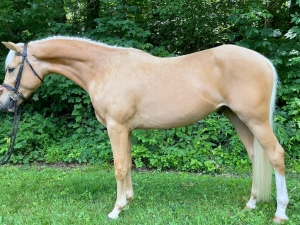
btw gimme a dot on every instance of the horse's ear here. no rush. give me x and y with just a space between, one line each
13 46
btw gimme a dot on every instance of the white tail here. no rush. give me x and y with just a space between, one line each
262 168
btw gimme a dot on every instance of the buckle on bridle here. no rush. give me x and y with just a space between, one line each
15 96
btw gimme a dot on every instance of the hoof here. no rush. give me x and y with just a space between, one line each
247 208
278 220
113 215
111 219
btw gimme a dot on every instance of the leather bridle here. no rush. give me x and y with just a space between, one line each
14 94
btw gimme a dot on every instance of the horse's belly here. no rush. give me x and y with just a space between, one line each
168 116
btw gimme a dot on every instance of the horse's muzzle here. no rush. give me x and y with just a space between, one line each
7 106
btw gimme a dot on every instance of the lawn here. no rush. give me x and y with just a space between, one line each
84 195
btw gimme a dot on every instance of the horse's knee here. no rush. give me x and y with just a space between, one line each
121 173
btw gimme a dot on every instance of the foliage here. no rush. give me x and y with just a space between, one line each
59 115
206 146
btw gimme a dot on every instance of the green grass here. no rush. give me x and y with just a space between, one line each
86 194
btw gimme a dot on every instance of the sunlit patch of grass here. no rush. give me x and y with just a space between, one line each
85 195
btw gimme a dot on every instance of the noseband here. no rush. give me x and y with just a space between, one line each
14 94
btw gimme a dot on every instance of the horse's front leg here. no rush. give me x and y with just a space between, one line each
119 135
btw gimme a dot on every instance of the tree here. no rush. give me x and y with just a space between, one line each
92 13
163 28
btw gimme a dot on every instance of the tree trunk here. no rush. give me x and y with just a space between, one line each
92 13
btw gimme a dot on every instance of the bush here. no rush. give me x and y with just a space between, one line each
209 146
59 123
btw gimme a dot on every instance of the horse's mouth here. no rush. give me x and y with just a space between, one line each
7 107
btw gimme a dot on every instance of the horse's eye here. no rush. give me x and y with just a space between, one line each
10 70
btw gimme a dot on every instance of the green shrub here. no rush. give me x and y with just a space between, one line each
209 146
59 123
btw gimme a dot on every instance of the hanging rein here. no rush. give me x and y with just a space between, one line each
15 96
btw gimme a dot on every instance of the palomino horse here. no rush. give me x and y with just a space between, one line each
131 89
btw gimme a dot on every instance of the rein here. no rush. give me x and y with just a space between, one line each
13 135
15 96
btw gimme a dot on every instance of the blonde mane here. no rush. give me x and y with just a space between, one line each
11 54
76 39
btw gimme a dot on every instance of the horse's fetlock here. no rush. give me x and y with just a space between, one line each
129 195
282 201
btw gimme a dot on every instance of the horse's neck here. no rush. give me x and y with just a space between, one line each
75 60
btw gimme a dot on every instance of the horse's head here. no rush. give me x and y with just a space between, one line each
21 78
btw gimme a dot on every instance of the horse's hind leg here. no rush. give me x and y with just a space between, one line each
247 139
263 132
242 130
128 181
266 139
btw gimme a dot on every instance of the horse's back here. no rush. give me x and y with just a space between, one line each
178 91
